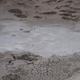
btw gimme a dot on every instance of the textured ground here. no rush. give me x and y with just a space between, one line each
41 11
26 65
43 27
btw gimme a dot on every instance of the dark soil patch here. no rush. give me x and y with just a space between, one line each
13 35
20 15
75 8
37 17
65 14
70 18
15 11
69 1
49 13
27 31
63 10
57 7
50 1
21 29
68 11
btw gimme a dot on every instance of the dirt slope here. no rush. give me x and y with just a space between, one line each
44 11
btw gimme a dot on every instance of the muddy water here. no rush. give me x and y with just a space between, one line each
44 40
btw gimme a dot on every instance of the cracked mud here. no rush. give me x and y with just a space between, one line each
26 65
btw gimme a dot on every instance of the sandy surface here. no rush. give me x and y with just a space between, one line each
39 40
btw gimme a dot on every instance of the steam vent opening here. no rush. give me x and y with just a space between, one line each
39 39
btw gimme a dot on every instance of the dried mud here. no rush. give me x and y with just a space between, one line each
26 65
